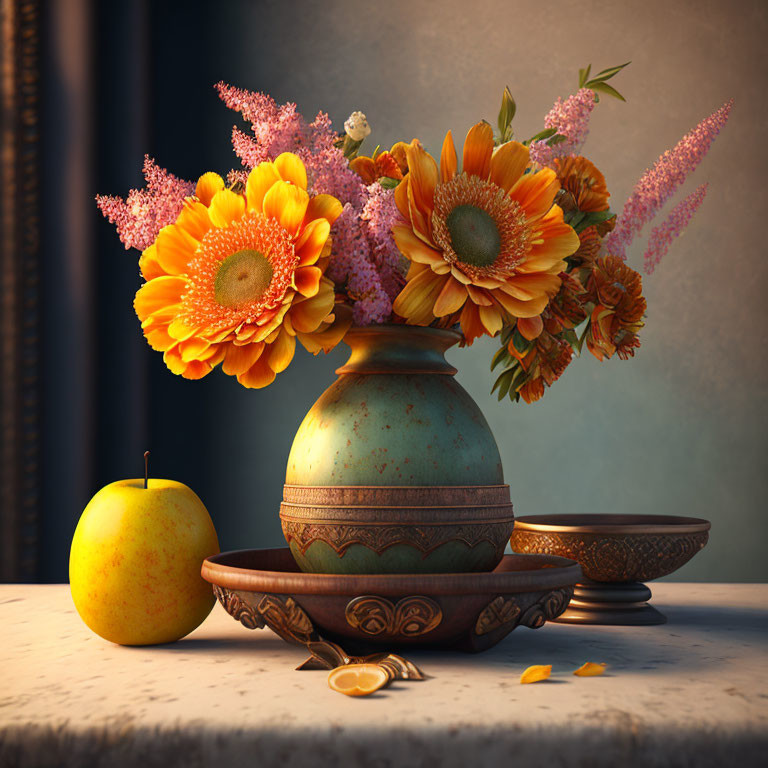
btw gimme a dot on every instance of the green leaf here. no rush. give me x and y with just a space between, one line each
506 113
606 74
580 345
541 135
506 334
520 343
557 139
349 146
520 378
500 356
590 219
596 217
388 183
574 218
504 382
584 75
607 89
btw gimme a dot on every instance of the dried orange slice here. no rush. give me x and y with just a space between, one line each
536 673
590 669
358 679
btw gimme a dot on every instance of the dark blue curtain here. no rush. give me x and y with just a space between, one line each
121 79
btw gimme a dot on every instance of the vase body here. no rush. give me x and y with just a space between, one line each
395 469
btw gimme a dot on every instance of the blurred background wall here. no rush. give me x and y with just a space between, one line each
681 429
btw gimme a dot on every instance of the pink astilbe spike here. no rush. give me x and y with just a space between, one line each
379 215
570 118
661 181
141 216
364 257
248 150
235 177
352 269
673 226
276 128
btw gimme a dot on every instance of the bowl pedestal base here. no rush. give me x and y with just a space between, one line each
617 604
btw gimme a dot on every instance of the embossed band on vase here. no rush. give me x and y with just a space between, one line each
397 496
382 517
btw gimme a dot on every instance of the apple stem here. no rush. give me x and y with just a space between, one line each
146 469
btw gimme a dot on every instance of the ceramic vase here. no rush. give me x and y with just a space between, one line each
395 469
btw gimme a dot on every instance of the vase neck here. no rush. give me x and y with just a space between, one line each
399 349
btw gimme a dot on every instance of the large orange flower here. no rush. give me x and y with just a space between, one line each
486 244
239 277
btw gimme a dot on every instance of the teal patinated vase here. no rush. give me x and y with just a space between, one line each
395 469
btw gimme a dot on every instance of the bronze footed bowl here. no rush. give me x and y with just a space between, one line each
366 613
616 553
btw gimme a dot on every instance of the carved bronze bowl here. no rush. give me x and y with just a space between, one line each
365 613
616 554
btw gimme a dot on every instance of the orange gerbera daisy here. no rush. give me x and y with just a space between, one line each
486 244
584 181
239 277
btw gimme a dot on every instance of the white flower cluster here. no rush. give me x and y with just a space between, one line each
356 126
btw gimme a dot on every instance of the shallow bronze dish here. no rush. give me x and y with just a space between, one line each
616 554
364 613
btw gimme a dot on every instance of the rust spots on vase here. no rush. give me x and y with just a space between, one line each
366 429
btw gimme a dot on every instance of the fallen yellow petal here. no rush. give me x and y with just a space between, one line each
590 669
358 679
536 673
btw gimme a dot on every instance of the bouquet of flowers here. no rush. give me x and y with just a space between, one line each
309 236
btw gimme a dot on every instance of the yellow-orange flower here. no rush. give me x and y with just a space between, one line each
381 165
237 278
485 244
584 181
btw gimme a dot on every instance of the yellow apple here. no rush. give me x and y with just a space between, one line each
134 566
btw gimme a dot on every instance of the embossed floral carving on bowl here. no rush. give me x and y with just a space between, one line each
362 613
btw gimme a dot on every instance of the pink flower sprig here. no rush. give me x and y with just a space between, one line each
379 215
570 118
365 260
661 181
673 226
141 216
276 128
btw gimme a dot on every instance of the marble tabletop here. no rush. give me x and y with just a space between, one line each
691 692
